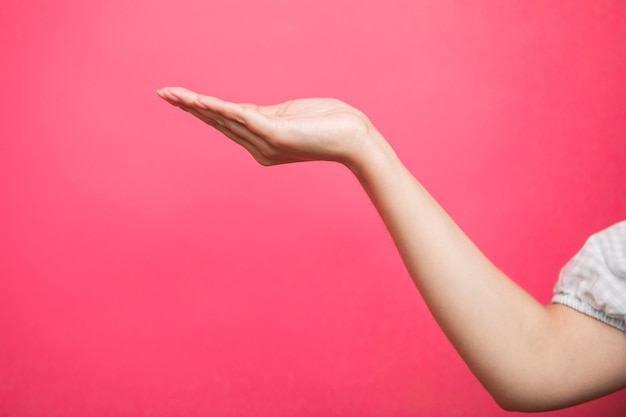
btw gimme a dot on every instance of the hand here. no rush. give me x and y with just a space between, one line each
294 131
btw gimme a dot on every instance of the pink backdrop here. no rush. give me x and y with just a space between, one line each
148 267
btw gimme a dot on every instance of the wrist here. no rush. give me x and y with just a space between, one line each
372 154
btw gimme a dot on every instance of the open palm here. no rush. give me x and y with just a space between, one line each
297 130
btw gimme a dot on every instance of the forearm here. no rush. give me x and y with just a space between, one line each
504 335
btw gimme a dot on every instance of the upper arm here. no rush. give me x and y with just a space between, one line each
581 359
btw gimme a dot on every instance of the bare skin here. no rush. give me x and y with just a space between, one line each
528 356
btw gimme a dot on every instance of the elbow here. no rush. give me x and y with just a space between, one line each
525 391
529 399
514 404
534 387
507 401
520 405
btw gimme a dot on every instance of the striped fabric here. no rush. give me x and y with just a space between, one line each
594 281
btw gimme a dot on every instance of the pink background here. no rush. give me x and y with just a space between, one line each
149 267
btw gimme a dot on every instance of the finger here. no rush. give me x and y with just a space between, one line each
254 118
247 145
167 95
256 154
237 133
242 131
191 98
245 114
179 94
226 124
210 118
211 106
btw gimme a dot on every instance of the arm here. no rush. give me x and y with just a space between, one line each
528 356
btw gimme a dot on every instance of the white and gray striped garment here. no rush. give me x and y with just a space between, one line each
594 281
